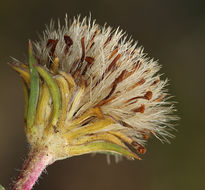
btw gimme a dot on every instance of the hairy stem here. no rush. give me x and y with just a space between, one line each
36 162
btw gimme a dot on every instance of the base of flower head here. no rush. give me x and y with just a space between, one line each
56 127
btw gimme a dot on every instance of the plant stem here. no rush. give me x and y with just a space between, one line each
36 162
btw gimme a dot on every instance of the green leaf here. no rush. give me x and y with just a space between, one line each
34 89
2 188
26 97
55 93
102 147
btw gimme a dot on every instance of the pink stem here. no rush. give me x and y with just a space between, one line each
33 167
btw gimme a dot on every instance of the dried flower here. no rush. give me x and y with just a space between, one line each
89 89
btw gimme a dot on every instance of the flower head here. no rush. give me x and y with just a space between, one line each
90 89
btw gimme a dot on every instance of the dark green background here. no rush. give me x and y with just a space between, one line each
172 31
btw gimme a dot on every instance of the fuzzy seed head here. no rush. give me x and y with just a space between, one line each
98 92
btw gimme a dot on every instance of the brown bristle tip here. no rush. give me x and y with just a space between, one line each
155 82
146 136
141 109
148 95
108 40
51 43
83 48
68 42
139 83
141 150
90 60
113 53
113 62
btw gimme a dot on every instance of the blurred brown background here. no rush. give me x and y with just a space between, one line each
172 31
